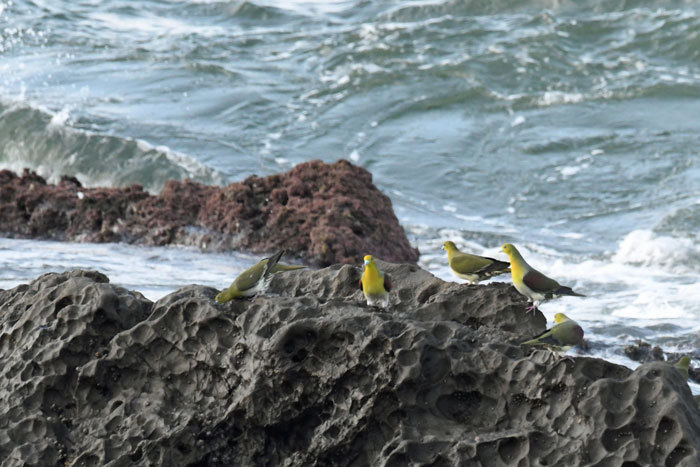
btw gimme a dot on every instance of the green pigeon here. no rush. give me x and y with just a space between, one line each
255 279
533 284
473 268
563 336
683 366
375 284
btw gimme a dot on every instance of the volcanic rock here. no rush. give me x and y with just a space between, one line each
324 213
93 374
644 352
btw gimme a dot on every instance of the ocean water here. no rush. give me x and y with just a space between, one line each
567 128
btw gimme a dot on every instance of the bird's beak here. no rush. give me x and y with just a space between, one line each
366 262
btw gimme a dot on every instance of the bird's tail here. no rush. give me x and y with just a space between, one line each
496 268
540 339
272 262
563 290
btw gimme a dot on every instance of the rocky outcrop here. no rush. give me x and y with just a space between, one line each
324 213
644 352
92 374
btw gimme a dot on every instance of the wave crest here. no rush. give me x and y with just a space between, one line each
645 248
42 141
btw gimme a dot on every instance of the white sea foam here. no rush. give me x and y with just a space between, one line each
61 118
569 170
495 49
574 235
645 248
153 271
151 24
558 97
653 307
517 121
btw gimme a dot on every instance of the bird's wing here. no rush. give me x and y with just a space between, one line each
387 282
564 290
496 265
545 338
250 277
538 282
465 263
568 333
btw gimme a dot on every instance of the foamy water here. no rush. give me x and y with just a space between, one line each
153 271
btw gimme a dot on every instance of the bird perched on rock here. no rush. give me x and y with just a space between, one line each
533 284
473 268
375 284
255 279
561 337
683 366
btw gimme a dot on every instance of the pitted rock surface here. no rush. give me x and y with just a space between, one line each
644 352
92 374
323 213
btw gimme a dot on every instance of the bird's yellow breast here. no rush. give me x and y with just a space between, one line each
517 270
372 280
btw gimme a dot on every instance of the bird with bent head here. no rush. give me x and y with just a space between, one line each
255 279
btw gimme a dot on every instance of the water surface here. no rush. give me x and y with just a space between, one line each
568 129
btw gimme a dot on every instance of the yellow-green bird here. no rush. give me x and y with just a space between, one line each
255 279
533 284
561 337
375 284
683 366
473 268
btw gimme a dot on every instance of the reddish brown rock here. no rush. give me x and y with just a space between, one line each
325 213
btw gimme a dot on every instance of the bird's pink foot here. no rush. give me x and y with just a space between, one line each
532 308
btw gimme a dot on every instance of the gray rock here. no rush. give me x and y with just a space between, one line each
92 374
